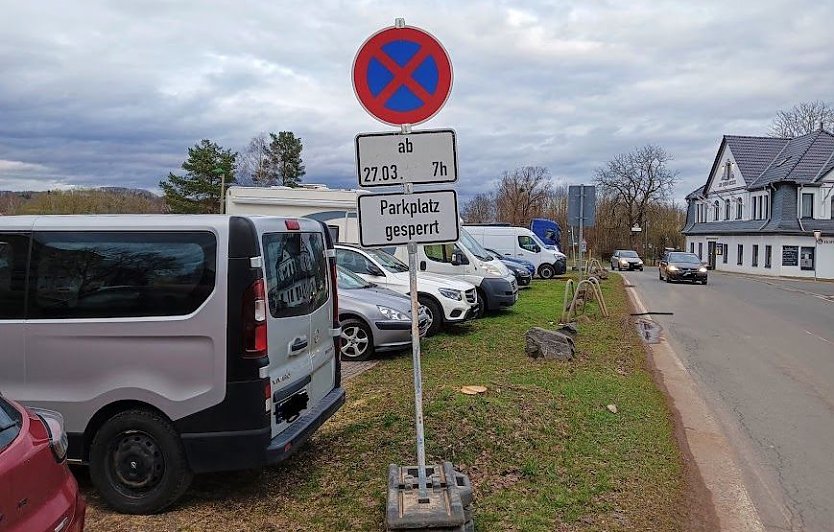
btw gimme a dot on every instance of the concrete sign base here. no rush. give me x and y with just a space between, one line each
449 496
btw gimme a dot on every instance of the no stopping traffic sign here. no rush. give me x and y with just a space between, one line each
402 75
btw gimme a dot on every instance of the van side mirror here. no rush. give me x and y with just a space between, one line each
374 270
459 259
536 248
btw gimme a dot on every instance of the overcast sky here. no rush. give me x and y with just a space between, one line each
112 93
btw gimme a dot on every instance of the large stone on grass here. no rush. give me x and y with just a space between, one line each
549 345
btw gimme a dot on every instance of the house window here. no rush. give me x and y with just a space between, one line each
726 209
726 251
766 205
716 210
755 207
739 208
807 205
701 250
755 262
740 255
832 208
692 247
768 255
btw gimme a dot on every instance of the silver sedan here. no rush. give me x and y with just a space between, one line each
373 319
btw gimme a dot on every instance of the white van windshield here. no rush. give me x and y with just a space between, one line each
472 245
389 262
538 241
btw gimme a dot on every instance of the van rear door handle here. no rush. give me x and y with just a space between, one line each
298 344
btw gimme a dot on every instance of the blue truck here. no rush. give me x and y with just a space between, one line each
548 231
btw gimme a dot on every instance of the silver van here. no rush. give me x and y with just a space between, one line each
172 345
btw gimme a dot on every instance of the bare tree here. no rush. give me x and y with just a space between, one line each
803 118
635 180
480 209
254 164
522 194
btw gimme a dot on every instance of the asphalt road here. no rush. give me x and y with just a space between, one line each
762 352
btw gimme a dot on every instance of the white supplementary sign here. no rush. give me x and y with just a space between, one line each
397 219
420 157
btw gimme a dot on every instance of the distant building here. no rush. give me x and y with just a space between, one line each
763 199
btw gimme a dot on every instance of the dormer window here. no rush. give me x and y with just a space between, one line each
739 208
726 209
716 211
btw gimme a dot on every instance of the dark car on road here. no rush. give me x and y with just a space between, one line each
626 259
682 266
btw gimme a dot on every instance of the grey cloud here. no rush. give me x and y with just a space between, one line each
113 93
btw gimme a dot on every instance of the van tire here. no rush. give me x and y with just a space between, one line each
482 304
131 436
436 313
547 271
362 334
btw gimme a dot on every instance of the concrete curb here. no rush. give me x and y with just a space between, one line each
710 447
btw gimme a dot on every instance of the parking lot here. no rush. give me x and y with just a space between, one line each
542 450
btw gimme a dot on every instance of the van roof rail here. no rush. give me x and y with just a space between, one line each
495 224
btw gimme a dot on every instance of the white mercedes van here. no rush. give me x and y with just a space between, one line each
172 345
522 243
467 260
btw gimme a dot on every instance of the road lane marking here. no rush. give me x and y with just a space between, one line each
819 337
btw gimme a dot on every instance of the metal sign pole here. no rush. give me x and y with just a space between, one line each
408 188
581 224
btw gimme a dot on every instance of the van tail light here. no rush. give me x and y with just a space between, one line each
267 396
254 321
54 423
337 341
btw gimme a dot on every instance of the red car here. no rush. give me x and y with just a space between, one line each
37 490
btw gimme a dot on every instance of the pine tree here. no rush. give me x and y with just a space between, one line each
198 191
285 163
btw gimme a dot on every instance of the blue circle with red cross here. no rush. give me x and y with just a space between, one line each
402 75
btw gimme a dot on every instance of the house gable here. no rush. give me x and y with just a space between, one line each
725 174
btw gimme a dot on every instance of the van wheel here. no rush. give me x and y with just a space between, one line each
546 271
137 463
357 341
482 305
435 314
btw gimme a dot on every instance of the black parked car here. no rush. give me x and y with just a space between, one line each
681 266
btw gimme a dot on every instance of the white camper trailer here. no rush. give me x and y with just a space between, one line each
334 207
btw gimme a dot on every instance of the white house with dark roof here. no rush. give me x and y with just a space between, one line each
762 203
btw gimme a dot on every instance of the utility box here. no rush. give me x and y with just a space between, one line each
449 496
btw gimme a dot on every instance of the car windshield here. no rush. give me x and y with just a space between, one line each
348 280
472 245
685 258
10 421
629 254
389 262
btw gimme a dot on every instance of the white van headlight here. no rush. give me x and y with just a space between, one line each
493 269
451 293
391 314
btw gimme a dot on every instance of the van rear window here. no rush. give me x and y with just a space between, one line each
121 274
296 273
